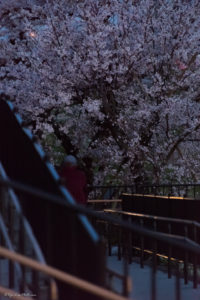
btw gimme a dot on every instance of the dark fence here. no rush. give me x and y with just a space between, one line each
172 207
68 242
115 191
182 210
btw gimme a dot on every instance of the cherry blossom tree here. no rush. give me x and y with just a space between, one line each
116 83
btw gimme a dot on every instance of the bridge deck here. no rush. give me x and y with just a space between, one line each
141 282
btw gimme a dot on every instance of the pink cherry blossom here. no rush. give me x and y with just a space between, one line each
115 82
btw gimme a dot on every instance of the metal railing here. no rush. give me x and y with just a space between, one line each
14 223
114 191
190 229
56 274
16 234
127 229
24 160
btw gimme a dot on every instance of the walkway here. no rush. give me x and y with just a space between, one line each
141 283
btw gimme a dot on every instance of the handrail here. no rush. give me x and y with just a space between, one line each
181 242
60 275
156 189
28 229
105 201
152 217
141 185
158 196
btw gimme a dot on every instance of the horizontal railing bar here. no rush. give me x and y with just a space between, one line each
158 196
157 218
105 201
138 185
60 275
27 189
13 294
181 242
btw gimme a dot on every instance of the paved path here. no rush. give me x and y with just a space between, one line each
141 283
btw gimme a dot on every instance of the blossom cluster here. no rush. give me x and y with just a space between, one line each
116 82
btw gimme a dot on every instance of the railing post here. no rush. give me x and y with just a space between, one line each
195 260
186 258
155 245
22 250
169 254
53 291
119 252
125 281
109 239
154 266
177 292
142 246
11 233
179 190
129 243
153 277
186 191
